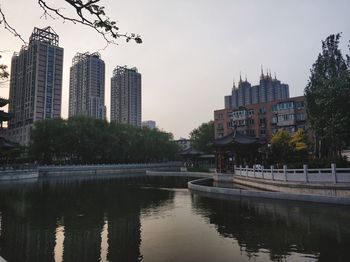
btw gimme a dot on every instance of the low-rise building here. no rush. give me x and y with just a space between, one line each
263 119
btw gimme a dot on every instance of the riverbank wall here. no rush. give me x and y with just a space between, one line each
179 174
334 182
9 175
85 170
202 186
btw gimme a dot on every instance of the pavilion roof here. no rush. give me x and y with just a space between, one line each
237 138
191 152
3 102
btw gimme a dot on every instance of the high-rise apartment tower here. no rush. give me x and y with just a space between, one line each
35 84
126 96
269 89
87 86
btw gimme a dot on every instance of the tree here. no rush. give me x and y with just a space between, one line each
202 136
3 71
299 145
82 140
88 13
328 99
281 149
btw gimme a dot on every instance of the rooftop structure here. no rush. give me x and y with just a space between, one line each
45 35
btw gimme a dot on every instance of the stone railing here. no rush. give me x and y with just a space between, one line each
305 175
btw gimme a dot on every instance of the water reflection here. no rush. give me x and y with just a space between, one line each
72 217
145 219
280 228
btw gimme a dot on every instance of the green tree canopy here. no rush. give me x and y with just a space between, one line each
328 99
281 148
202 136
83 140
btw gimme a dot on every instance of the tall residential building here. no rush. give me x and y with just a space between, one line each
269 89
87 86
126 96
35 84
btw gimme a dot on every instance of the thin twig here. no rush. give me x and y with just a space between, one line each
9 28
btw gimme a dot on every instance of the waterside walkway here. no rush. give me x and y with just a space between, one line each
328 185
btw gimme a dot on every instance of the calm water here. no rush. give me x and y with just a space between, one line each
157 219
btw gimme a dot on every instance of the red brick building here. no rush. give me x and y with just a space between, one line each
263 119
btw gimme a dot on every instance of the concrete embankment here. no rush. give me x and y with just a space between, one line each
179 174
320 189
9 175
51 171
203 185
85 170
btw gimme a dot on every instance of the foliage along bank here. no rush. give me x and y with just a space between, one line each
81 140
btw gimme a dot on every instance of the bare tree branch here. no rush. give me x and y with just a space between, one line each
8 27
96 19
89 13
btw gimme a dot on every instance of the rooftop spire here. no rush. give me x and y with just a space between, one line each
262 72
240 77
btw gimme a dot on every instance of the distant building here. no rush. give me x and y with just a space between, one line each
126 96
35 84
87 86
149 123
263 119
269 89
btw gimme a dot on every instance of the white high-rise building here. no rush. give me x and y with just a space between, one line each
126 96
87 86
35 84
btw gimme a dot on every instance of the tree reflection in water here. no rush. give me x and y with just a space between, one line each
281 227
100 220
31 212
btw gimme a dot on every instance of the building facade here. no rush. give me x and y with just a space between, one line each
126 96
87 86
263 119
149 123
269 89
35 84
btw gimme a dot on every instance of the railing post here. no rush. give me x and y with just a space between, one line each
240 168
272 176
334 173
254 171
285 172
306 173
262 174
246 171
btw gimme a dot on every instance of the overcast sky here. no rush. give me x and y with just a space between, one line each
193 49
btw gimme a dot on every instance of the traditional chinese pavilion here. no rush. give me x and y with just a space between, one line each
237 149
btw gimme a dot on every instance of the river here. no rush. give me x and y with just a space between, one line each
158 219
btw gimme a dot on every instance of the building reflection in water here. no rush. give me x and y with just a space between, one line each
70 220
281 227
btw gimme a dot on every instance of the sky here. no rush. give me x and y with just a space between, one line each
192 50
